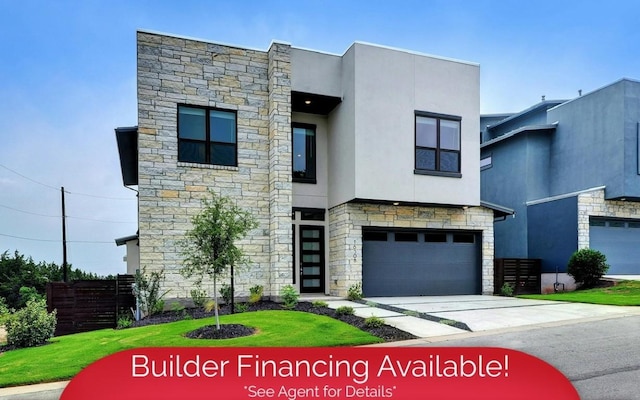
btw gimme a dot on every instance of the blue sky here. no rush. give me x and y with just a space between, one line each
67 79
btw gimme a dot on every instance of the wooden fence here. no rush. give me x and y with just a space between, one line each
84 306
522 274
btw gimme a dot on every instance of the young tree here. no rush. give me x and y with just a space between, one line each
209 248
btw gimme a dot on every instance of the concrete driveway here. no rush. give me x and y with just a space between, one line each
481 313
431 316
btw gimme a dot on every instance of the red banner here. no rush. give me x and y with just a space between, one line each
442 373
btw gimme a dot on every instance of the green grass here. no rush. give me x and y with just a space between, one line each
65 356
625 293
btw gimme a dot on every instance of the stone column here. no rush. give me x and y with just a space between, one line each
280 169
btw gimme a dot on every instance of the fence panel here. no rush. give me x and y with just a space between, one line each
523 274
84 306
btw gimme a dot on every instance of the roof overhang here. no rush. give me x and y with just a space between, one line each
498 211
313 103
127 138
124 240
542 128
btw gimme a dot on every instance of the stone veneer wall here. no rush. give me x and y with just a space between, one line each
593 203
280 167
174 71
346 222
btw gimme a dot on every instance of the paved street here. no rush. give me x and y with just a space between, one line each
601 358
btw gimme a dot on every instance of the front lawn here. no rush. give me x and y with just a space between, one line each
624 293
65 356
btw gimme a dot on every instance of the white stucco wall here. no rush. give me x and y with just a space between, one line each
390 86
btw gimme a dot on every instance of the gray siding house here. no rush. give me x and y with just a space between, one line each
571 171
360 168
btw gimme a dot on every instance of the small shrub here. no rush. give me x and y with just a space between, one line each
241 307
225 293
5 311
177 307
345 310
319 303
255 293
355 291
373 322
289 297
31 326
210 305
506 290
147 291
199 296
587 266
124 322
28 293
372 304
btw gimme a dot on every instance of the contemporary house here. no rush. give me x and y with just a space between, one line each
360 168
571 171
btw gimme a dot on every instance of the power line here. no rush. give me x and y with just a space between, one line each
102 220
29 179
24 238
29 212
66 191
98 197
68 216
58 240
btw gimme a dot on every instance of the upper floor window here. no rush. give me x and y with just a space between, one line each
304 153
207 136
437 144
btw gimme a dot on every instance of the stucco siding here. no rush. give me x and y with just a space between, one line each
385 131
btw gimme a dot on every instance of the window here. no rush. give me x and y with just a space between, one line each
463 238
304 153
207 136
486 162
406 237
437 144
435 237
375 236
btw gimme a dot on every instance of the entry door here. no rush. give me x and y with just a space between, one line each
311 259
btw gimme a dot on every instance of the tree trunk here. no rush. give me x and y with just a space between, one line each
215 298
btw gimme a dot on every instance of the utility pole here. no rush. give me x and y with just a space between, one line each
64 240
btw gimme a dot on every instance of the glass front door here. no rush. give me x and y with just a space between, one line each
311 259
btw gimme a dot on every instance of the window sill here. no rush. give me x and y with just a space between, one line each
207 166
437 173
302 180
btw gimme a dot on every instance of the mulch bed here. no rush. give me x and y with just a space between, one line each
385 332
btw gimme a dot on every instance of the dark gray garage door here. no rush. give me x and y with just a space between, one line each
619 241
420 263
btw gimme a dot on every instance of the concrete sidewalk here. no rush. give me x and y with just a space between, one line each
43 391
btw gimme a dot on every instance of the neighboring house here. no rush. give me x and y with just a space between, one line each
360 168
571 171
133 254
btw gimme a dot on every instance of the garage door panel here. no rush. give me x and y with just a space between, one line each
392 268
620 244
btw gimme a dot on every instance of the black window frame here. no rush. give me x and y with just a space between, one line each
208 142
438 150
310 159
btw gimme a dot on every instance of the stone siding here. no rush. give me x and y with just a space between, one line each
174 71
593 204
345 227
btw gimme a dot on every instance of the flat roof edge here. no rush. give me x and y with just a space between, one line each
564 196
515 132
